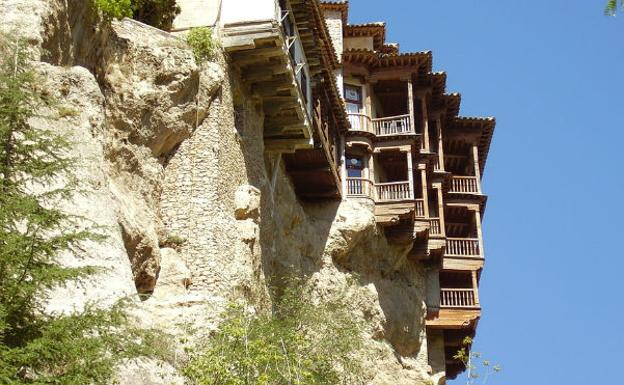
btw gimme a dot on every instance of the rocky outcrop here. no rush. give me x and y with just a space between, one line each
195 213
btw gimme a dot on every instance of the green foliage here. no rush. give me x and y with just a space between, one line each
157 13
35 175
202 43
115 9
173 241
474 363
612 7
300 342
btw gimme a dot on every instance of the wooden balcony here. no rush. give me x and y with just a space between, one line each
465 185
265 45
463 247
389 126
394 191
361 123
435 228
458 299
360 188
394 125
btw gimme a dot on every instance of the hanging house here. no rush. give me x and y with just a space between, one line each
285 56
409 151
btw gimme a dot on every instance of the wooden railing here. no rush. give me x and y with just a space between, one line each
394 191
420 208
436 164
465 185
434 226
393 125
360 187
458 298
361 122
463 247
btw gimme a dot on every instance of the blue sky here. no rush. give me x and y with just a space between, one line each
552 73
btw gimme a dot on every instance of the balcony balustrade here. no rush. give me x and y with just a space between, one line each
360 187
465 185
458 298
420 208
463 247
436 165
395 191
385 192
434 226
361 122
393 125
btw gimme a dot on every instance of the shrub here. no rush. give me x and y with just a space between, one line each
202 43
298 343
115 9
157 13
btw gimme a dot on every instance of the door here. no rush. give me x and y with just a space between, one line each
353 99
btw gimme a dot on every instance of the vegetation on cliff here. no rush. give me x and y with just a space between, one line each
35 178
202 43
157 13
299 342
477 367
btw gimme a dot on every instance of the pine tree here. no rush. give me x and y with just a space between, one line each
80 348
612 7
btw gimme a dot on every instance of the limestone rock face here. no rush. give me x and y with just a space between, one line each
247 202
196 214
175 276
82 122
147 372
151 84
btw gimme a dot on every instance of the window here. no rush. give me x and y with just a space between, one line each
353 94
355 166
353 98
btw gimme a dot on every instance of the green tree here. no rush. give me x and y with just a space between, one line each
298 343
80 348
612 7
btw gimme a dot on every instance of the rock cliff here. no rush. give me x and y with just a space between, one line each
195 212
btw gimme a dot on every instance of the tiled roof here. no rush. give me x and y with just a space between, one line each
341 6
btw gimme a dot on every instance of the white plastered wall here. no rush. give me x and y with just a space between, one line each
197 13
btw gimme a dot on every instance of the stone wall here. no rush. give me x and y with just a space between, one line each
334 25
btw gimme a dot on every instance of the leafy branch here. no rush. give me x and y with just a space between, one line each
612 7
475 364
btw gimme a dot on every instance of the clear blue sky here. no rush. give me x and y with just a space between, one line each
552 73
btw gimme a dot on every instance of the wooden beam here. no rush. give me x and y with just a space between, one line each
286 145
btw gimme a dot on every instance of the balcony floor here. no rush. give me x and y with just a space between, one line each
447 318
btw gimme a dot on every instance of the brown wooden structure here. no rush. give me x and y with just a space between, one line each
353 117
288 61
410 152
